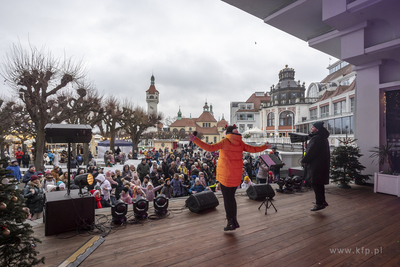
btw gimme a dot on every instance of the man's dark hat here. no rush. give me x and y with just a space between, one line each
319 125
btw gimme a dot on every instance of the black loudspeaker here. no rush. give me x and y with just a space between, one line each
260 191
298 137
202 201
68 133
65 213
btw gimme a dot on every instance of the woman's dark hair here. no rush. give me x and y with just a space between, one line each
230 129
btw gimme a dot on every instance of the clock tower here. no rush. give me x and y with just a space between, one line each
152 97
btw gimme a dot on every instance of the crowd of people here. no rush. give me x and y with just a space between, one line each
174 174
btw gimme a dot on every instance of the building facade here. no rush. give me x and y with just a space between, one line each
335 104
286 107
211 129
246 115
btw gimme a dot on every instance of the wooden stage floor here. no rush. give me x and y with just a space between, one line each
359 228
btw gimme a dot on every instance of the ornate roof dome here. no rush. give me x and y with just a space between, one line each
286 74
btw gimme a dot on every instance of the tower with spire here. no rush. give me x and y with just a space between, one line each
206 108
179 114
152 97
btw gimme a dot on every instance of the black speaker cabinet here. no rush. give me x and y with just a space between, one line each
202 201
68 133
260 191
64 213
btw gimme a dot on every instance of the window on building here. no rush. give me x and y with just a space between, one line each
346 125
242 128
249 126
175 130
338 126
313 114
313 92
271 119
215 139
286 118
331 126
294 95
339 107
324 111
206 139
190 128
351 125
352 104
283 96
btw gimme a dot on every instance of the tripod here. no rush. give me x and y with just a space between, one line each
265 202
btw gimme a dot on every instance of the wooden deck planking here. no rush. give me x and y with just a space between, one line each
293 236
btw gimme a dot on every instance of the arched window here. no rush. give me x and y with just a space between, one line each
313 91
286 118
271 119
175 130
151 97
190 128
182 130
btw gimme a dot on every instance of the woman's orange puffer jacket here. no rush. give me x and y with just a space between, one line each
230 161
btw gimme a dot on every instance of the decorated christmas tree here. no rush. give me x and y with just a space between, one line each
17 245
345 164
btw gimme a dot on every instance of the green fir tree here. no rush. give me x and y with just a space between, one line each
345 164
17 245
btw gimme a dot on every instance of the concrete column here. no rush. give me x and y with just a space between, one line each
367 113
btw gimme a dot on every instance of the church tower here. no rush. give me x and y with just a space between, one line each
152 97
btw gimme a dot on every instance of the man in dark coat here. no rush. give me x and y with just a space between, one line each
143 169
317 163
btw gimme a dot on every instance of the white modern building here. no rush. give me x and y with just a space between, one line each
246 115
335 96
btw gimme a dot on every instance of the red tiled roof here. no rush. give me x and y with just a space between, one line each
341 72
338 91
206 116
246 110
222 123
210 130
184 122
152 89
257 100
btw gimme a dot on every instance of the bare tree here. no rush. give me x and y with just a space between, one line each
84 107
112 115
8 110
38 79
135 120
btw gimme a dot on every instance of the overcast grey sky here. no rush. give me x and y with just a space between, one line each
197 50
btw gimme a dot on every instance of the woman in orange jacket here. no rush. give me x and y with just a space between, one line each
229 167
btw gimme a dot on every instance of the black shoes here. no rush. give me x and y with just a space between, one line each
231 225
318 207
325 204
236 223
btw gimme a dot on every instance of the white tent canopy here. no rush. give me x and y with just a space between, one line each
254 130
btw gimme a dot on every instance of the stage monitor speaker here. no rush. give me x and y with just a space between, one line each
65 213
68 133
260 191
202 201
